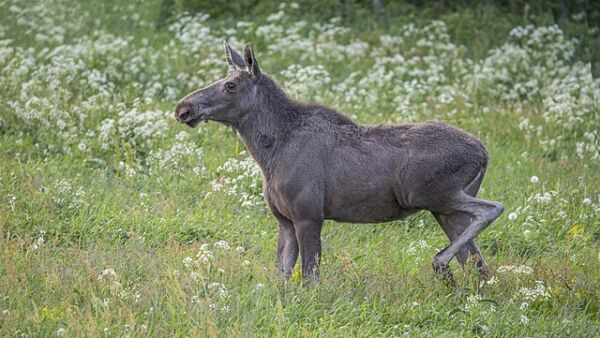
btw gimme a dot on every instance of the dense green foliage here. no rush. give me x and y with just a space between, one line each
115 220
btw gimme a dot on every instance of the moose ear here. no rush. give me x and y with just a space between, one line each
251 62
233 58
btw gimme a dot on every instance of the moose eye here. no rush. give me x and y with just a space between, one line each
230 86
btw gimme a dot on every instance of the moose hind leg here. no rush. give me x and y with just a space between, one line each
482 267
472 189
454 225
483 213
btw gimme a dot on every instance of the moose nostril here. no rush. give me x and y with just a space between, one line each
184 115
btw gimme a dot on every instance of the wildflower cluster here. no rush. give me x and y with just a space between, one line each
204 270
64 194
477 312
528 296
542 204
178 158
419 249
240 178
112 288
521 269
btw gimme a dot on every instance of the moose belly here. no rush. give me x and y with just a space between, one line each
360 186
365 207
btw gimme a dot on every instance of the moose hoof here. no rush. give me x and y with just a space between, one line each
482 268
442 271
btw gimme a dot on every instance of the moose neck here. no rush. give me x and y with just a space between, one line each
264 127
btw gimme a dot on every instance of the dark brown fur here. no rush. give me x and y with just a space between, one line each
317 164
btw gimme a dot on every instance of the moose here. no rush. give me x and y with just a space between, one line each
317 164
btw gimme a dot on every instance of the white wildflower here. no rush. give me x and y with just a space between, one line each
194 276
222 245
540 291
216 186
106 273
473 299
543 198
417 246
492 281
521 269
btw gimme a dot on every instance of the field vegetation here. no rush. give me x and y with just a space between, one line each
117 221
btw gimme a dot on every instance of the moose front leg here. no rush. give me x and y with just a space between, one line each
287 248
308 233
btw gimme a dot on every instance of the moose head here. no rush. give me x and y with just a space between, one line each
227 99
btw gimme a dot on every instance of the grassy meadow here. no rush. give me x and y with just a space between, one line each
117 221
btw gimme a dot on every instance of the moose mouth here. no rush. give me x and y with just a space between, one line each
190 120
194 122
193 117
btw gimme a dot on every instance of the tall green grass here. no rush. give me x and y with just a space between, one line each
112 230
